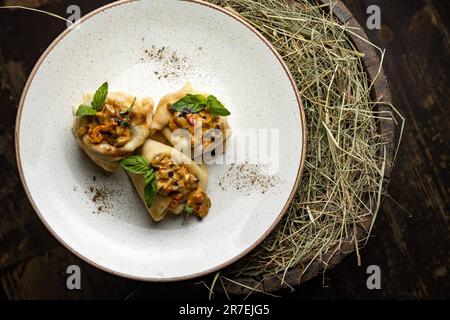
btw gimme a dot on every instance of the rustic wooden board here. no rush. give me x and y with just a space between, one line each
412 247
21 233
30 279
387 128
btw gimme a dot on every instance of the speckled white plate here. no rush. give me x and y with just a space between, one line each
218 53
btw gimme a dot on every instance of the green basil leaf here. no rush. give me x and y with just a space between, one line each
150 189
197 107
140 165
216 107
192 102
136 164
100 96
150 176
85 110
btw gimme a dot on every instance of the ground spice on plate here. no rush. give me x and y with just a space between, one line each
102 196
167 62
248 178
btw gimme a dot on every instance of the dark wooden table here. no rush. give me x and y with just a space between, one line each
411 240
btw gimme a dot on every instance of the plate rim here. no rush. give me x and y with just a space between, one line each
24 94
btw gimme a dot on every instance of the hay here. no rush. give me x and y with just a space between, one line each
343 176
39 11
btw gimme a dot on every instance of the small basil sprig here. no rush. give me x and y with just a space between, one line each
126 113
189 211
194 103
98 101
140 165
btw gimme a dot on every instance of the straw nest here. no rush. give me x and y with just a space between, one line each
342 182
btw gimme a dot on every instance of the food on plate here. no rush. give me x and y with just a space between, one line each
201 116
116 128
168 181
109 126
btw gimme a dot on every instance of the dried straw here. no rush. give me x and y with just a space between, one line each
343 176
342 183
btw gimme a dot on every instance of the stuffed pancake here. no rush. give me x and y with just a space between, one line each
111 126
168 181
192 120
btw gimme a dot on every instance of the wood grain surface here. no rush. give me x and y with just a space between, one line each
410 245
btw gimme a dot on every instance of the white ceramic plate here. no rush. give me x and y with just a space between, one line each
218 53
